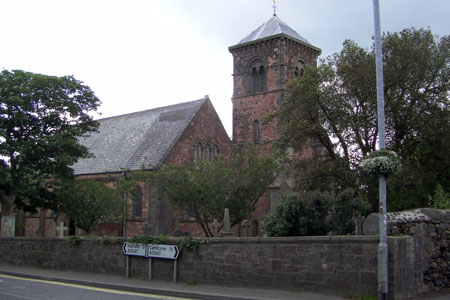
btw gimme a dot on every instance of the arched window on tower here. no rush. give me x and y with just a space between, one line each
262 78
258 77
299 68
256 132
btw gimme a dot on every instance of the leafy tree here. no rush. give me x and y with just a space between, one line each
333 108
89 202
209 187
41 119
314 213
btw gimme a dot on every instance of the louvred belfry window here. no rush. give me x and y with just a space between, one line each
258 77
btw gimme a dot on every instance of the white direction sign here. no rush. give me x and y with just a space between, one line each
134 249
163 251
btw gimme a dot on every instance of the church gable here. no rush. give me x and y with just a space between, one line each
204 138
136 140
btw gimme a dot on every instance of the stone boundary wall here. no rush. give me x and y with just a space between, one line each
336 265
431 231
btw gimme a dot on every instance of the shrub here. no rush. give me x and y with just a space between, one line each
440 199
314 213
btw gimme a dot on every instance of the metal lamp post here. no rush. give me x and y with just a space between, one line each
382 247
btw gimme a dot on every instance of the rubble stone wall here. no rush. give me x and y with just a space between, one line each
431 231
335 265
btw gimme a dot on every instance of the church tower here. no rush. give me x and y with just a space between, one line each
263 63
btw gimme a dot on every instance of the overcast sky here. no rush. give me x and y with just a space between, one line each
138 55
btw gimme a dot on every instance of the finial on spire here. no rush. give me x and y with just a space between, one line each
275 7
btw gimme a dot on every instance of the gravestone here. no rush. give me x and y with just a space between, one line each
60 230
359 225
8 226
178 232
226 223
215 226
245 225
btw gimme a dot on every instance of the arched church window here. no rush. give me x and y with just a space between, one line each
137 202
215 151
256 132
258 76
299 68
207 152
198 152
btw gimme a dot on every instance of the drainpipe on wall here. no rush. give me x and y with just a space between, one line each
124 222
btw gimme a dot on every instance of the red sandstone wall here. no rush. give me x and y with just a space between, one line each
31 226
50 227
280 56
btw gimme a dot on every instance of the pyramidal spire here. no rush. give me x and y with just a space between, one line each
272 27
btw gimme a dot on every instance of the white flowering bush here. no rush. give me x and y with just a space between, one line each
383 162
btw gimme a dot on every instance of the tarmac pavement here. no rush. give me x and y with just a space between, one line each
443 294
184 290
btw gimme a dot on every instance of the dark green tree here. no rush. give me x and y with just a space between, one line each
332 109
41 119
89 202
235 182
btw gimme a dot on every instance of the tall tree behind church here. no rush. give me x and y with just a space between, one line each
335 105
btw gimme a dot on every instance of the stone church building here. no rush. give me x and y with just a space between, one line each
263 63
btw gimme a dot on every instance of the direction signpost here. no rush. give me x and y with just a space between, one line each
163 251
151 251
134 249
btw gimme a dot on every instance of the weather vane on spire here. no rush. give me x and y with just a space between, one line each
275 7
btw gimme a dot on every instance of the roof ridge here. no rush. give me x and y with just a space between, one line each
278 23
155 108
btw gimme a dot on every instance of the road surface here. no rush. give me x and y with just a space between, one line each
16 288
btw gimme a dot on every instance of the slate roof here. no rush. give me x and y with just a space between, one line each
273 27
131 141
